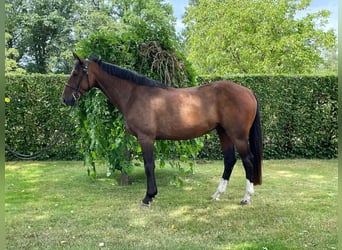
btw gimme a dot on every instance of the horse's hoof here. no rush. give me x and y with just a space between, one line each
215 198
143 204
244 202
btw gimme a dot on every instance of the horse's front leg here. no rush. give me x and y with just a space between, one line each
147 150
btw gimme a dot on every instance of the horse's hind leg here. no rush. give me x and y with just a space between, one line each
229 162
247 163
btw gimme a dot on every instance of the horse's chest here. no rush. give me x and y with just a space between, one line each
139 124
130 129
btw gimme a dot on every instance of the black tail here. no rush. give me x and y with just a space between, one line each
255 144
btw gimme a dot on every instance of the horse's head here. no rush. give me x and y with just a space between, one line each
80 81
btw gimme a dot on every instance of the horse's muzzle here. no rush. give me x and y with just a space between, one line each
69 101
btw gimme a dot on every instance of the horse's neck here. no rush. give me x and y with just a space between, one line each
118 91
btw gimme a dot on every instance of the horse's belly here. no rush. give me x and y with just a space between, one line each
178 130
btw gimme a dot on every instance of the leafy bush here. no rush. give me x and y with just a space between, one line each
98 119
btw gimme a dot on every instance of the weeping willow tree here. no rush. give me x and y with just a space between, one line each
104 139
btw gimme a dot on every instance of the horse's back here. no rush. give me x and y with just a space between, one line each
231 90
231 96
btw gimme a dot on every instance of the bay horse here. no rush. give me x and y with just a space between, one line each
152 111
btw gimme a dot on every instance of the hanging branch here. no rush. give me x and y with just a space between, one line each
171 70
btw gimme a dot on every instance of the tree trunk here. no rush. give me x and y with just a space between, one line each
124 179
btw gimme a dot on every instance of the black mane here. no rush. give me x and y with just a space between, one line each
128 74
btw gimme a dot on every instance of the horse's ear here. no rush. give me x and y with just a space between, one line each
77 57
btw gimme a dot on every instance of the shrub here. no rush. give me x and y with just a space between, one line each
35 117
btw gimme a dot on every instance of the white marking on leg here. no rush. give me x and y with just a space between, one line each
249 192
220 189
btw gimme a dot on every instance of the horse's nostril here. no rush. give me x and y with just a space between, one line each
66 101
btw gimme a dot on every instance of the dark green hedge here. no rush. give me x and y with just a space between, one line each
35 117
299 116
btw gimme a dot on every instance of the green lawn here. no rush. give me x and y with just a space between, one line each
55 205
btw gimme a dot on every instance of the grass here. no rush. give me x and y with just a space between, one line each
55 205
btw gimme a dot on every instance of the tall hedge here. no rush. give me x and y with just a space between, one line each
36 118
299 116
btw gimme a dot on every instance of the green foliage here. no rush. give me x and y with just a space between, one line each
222 36
256 37
94 16
11 54
150 20
40 29
146 43
45 32
35 116
103 139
